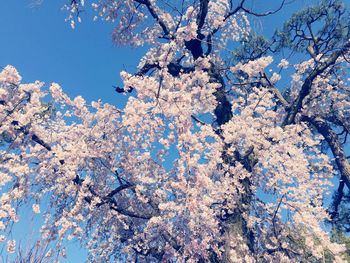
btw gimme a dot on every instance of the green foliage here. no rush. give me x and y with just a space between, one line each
323 27
251 48
48 110
341 238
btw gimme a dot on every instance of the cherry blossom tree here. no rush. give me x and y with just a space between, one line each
209 161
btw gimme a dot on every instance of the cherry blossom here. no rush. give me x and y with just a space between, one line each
207 161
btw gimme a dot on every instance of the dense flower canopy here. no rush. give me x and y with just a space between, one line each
208 161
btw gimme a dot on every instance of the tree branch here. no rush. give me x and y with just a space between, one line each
263 14
333 141
337 199
306 87
203 11
154 14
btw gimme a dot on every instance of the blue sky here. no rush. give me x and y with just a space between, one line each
37 41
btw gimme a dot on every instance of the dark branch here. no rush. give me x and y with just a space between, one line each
333 141
195 45
203 11
337 200
263 14
154 14
306 87
36 139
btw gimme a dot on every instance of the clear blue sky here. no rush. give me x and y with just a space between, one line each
38 42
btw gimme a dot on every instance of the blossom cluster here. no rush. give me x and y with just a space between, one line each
162 178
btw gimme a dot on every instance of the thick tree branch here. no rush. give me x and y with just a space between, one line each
337 199
203 11
155 15
306 87
39 141
333 141
195 45
118 189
